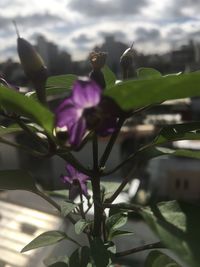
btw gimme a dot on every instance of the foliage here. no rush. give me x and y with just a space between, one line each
86 113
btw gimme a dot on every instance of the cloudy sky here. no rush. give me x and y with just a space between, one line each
78 25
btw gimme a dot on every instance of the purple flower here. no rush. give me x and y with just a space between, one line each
76 180
86 109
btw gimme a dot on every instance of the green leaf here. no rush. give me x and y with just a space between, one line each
67 207
114 222
59 193
80 257
111 187
17 180
111 247
45 239
81 225
61 81
177 225
118 233
159 259
109 76
27 107
161 151
61 261
148 73
185 131
138 93
117 220
99 253
174 74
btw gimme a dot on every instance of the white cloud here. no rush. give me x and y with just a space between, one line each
65 21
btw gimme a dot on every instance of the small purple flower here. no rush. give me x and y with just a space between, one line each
76 181
86 109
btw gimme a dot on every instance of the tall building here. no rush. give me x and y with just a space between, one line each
57 62
114 49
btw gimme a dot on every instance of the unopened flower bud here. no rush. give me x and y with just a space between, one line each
97 60
126 61
33 66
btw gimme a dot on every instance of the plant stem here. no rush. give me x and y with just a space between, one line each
29 132
95 152
95 180
26 149
81 204
53 203
74 241
133 156
111 142
121 186
125 206
68 156
98 210
104 228
138 249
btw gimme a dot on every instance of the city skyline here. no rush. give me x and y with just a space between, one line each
77 26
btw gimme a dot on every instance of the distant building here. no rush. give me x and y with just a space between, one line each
180 178
57 62
114 49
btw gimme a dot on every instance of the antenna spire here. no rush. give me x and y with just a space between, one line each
132 44
16 28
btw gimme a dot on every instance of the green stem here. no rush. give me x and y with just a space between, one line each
67 156
81 204
98 210
104 228
95 152
123 206
54 204
131 157
84 142
122 185
50 200
95 180
74 241
30 133
111 143
26 149
138 249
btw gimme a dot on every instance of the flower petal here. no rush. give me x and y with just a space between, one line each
77 131
86 93
66 179
82 177
67 114
71 171
84 189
